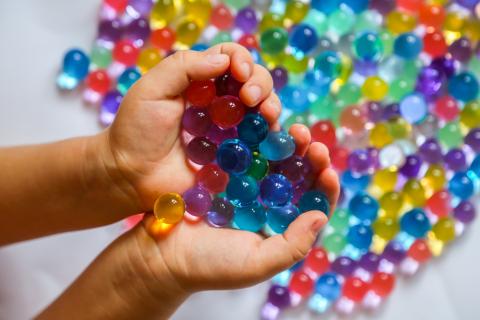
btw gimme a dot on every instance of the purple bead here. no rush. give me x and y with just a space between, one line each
343 266
464 212
444 65
374 111
218 135
220 213
110 30
456 160
280 77
359 161
391 111
197 201
227 85
461 50
369 261
279 296
366 68
469 4
108 109
383 6
201 150
138 29
196 121
294 168
394 252
373 156
246 20
139 7
429 82
412 166
430 151
473 139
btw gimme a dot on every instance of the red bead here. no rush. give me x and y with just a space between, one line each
227 85
221 17
439 203
125 52
324 131
382 283
200 93
98 81
339 158
163 38
249 41
201 150
446 108
117 5
434 44
226 111
410 5
355 289
432 15
419 251
212 178
317 261
301 284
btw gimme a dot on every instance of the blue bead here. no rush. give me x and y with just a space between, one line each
368 47
325 6
364 207
328 286
317 82
354 182
329 63
199 47
303 38
127 79
253 129
234 156
279 218
408 46
75 69
463 86
295 98
475 166
277 146
251 218
461 185
242 191
414 108
360 236
314 200
415 222
356 5
276 190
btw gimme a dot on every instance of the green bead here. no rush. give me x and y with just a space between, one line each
317 20
450 135
339 220
474 66
334 243
341 21
387 40
101 56
400 87
237 4
259 167
294 64
350 93
301 118
411 68
221 37
274 40
322 108
368 20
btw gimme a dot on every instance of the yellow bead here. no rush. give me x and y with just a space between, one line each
148 59
434 245
434 179
378 244
271 61
444 230
188 32
169 208
374 88
385 179
414 193
270 20
295 12
346 70
380 136
454 22
400 22
386 228
391 202
163 12
470 115
399 128
294 64
199 10
471 30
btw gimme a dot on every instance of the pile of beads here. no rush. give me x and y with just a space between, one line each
389 86
247 175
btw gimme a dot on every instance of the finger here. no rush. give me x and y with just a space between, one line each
302 137
282 251
258 87
173 75
328 182
318 155
241 65
271 108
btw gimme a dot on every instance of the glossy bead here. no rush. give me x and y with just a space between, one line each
250 218
430 151
221 17
279 218
408 46
464 211
74 70
414 193
446 108
276 190
196 121
197 201
360 236
234 157
314 200
273 40
200 93
328 286
386 227
253 129
98 81
444 230
163 38
279 296
324 131
382 283
464 86
472 139
364 207
413 108
220 213
434 44
368 46
109 107
201 150
354 289
394 252
242 191
212 178
301 284
317 260
344 266
419 251
125 53
226 111
227 85
415 223
127 79
294 168
461 185
439 203
303 38
277 146
169 208
259 166
369 262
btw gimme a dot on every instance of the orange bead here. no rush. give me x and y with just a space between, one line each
353 119
163 38
432 15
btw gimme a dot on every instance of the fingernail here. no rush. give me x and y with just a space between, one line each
217 58
245 70
254 93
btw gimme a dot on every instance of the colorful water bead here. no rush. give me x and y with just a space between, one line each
464 211
169 208
98 81
408 46
226 111
463 86
470 115
212 178
329 63
273 40
314 200
294 168
277 146
368 46
127 79
413 107
197 201
301 284
196 121
74 69
253 129
242 191
364 207
276 190
125 52
415 223
444 229
279 218
461 185
335 242
200 93
386 227
259 166
303 38
324 131
220 213
234 156
250 218
148 58
360 236
355 289
328 286
163 38
201 150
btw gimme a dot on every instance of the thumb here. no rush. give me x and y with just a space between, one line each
172 76
280 252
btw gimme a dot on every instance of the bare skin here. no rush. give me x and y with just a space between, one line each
92 181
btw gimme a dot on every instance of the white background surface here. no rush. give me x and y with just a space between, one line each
34 35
